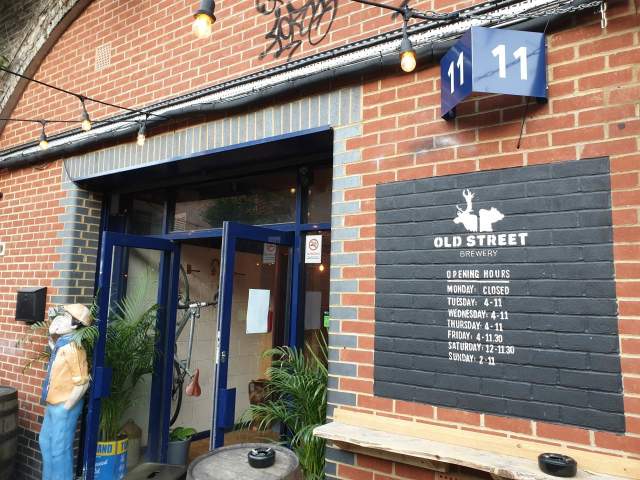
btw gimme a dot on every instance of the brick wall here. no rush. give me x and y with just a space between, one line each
593 111
35 209
155 56
594 91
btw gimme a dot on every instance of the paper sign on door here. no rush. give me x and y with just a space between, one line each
258 311
313 249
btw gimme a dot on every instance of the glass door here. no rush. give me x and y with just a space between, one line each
253 316
137 295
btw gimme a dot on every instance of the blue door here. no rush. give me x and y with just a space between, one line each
145 271
254 313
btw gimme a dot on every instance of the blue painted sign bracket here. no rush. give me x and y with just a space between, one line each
490 60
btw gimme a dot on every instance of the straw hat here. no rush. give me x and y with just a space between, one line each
80 312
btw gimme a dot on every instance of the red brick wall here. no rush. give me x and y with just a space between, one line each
594 110
29 226
155 55
594 78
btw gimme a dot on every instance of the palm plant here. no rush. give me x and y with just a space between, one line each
296 397
130 353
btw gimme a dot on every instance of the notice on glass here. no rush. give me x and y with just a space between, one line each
313 249
258 311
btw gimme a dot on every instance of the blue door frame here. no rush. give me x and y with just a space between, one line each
224 398
162 377
168 240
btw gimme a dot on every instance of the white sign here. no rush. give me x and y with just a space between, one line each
258 311
269 253
483 223
313 249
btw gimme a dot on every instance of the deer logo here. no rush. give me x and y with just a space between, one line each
482 222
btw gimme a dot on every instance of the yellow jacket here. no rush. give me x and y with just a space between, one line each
69 370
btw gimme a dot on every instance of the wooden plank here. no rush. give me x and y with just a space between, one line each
499 466
588 461
394 457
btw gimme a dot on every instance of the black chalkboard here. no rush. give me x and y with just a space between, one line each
495 292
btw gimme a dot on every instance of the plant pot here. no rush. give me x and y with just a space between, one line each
178 452
111 460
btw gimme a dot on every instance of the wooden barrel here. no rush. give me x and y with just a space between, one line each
8 431
230 463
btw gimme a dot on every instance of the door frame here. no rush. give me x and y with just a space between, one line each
223 398
168 277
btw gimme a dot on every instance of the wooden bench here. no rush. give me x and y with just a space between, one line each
439 456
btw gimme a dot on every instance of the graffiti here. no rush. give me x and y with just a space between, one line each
312 20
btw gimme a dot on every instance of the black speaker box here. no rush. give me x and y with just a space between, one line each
30 304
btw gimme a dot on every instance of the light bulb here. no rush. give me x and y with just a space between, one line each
86 125
44 141
321 268
142 134
408 61
203 26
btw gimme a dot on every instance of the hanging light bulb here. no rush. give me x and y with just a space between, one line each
407 54
86 121
142 134
44 142
204 19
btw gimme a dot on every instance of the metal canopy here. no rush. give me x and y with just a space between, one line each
269 153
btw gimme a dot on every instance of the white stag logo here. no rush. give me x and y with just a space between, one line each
482 222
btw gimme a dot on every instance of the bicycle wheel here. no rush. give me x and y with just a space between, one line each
176 392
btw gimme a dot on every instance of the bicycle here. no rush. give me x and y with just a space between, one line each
182 368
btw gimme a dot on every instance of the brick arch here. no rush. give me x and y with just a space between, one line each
32 30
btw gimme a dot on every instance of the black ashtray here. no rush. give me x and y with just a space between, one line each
261 457
557 465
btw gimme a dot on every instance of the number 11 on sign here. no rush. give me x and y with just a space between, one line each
451 72
519 54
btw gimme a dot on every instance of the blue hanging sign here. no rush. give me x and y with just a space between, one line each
490 60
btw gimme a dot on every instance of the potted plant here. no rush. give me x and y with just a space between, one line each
130 353
179 442
296 397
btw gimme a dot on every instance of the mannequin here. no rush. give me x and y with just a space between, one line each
66 382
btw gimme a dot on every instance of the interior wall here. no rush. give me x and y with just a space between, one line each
196 412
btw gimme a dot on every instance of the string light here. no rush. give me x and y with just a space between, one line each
204 19
44 142
86 121
407 54
142 134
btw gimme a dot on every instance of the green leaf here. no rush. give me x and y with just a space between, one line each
180 434
296 398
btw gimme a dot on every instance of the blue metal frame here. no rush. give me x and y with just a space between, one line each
293 236
224 399
101 374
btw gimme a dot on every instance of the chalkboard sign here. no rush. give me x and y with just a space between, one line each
495 292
